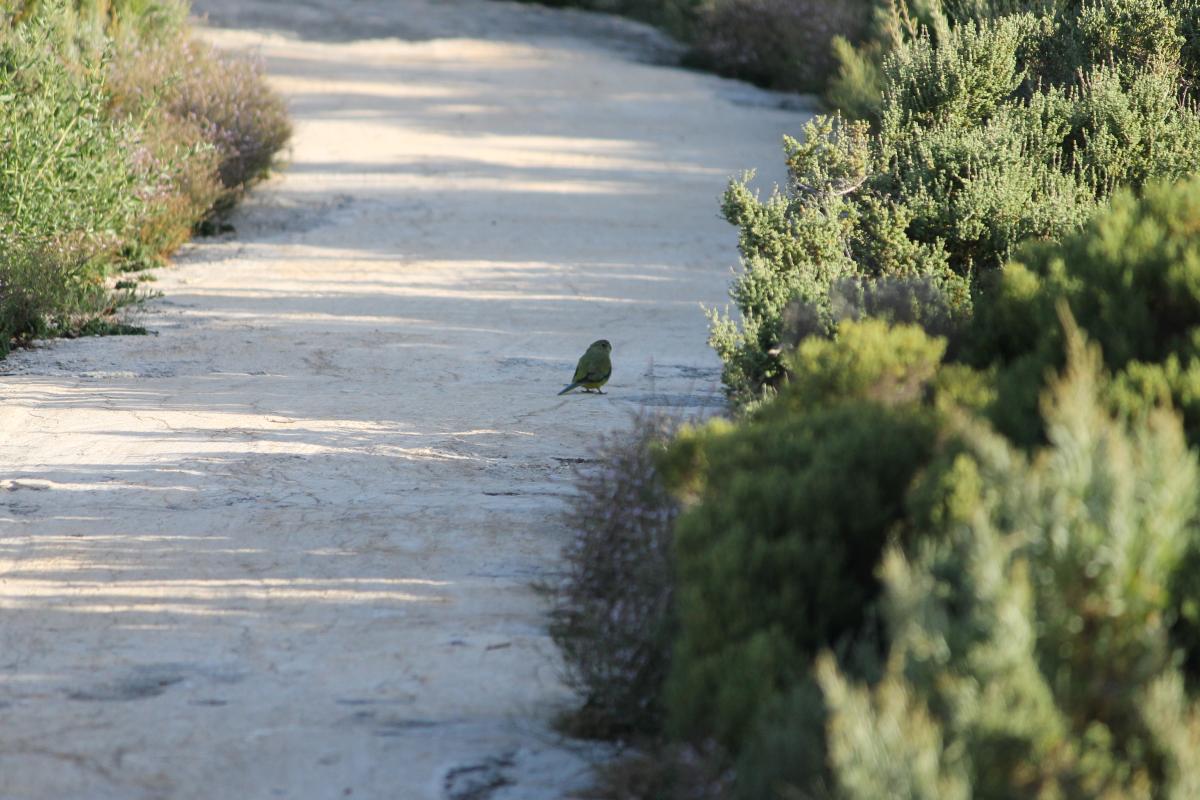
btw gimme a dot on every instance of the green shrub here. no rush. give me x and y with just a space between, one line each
786 516
991 131
47 289
1029 637
63 166
1137 35
1037 607
1133 35
793 248
68 194
961 79
118 136
1131 279
612 616
855 86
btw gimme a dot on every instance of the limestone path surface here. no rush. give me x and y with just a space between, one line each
284 547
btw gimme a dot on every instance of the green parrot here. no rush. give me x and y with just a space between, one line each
593 369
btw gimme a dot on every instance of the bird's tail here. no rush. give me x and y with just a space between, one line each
569 388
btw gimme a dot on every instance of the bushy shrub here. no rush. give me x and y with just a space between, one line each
1001 128
68 194
613 617
118 135
1031 605
1131 279
1029 638
79 181
210 98
1134 35
48 288
786 516
1036 607
855 85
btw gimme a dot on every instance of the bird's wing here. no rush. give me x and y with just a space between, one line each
593 369
600 374
583 367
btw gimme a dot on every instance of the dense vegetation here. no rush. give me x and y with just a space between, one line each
119 135
947 545
990 133
781 44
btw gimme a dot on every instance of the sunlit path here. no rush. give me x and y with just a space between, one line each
285 547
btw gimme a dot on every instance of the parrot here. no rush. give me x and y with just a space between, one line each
593 369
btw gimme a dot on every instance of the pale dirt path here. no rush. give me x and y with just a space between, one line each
284 547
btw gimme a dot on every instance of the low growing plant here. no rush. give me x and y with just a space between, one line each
613 617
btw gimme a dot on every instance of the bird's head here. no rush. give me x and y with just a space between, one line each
601 344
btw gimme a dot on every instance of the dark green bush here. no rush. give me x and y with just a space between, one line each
786 518
1131 279
1030 610
613 617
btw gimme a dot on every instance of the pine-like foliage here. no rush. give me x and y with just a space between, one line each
1132 281
1030 654
994 128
